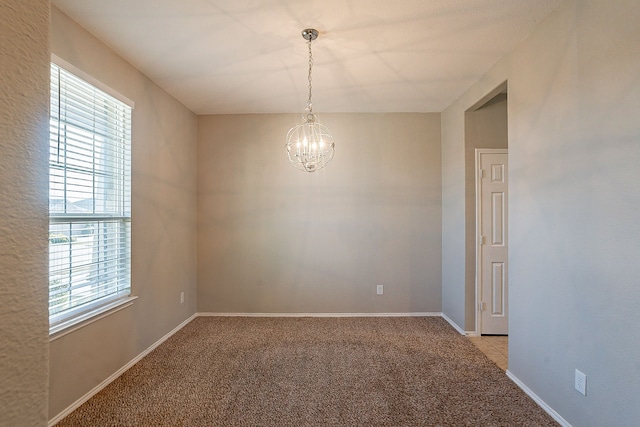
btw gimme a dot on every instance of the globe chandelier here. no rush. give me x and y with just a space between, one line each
310 145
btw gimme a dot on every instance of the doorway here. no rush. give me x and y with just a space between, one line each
486 127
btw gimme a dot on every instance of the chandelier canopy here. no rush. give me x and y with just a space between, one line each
310 145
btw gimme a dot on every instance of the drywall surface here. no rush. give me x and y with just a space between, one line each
163 224
24 121
484 128
574 103
453 216
274 239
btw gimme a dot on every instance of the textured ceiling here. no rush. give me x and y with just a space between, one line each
248 56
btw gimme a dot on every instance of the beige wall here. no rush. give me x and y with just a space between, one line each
163 224
24 121
485 127
574 103
275 239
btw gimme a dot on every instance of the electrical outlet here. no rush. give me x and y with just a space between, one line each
581 382
181 297
380 289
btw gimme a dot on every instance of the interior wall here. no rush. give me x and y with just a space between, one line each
163 224
453 216
273 239
485 127
574 100
24 124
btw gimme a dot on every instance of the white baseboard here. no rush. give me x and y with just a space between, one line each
116 374
452 323
548 409
412 314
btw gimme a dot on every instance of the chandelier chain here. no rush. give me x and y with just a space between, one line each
309 104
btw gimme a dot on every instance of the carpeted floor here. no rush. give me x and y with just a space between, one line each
239 371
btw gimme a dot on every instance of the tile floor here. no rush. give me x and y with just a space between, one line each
494 347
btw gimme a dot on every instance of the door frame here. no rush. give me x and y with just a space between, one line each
478 153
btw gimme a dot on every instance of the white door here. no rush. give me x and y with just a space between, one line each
492 241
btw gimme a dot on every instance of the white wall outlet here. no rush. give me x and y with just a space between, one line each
181 297
581 382
380 289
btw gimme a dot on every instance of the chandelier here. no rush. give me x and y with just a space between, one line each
310 145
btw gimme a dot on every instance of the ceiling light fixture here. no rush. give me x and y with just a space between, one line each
310 145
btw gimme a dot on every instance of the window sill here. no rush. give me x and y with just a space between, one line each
71 325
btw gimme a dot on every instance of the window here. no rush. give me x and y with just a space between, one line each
89 199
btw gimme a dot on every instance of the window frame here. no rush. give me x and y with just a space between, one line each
77 316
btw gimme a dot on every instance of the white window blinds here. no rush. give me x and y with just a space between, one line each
89 197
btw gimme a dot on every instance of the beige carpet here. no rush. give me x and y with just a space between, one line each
313 372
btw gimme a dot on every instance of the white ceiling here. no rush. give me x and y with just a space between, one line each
248 56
